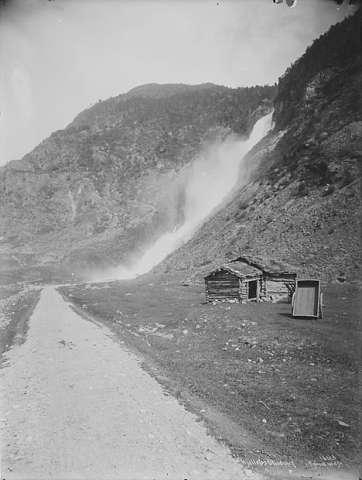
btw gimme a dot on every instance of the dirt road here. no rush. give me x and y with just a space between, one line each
76 405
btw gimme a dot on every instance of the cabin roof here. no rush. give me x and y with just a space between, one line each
248 266
240 269
269 266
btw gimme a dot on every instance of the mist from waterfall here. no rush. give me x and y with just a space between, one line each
211 177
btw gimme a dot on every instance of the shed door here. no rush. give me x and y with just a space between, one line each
306 299
252 289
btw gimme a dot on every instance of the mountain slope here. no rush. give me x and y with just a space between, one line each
113 181
302 205
95 191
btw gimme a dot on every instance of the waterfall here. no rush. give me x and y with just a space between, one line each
211 178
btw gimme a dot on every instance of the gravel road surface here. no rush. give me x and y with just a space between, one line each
76 405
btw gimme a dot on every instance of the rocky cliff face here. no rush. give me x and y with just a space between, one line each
302 205
93 192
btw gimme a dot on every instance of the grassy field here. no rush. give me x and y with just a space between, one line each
269 385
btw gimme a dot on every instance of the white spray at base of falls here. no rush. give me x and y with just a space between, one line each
211 178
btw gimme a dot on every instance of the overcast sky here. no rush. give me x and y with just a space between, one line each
58 57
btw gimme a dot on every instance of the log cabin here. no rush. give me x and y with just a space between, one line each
234 281
245 279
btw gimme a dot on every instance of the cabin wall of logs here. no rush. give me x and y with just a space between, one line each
226 284
222 284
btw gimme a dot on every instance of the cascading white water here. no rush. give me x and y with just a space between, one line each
211 178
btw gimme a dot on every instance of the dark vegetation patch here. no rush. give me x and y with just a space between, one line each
15 310
337 48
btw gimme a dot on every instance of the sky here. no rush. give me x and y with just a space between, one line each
59 57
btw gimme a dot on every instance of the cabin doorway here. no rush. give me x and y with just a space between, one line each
252 290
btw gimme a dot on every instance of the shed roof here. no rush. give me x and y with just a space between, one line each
269 266
240 269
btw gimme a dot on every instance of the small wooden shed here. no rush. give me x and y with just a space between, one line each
234 281
307 299
245 279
